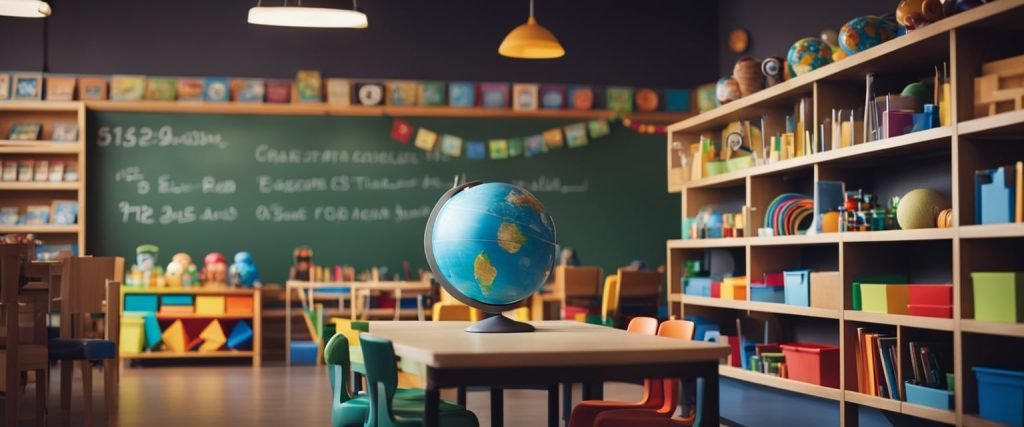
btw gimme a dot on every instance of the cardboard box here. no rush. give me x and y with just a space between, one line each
826 290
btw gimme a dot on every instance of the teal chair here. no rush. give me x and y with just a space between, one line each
389 410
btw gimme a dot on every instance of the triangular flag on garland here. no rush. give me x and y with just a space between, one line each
534 145
598 128
576 135
451 145
498 148
515 147
401 131
553 138
476 150
426 139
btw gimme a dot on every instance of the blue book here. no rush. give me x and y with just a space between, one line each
887 351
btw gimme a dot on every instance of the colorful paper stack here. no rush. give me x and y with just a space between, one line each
789 214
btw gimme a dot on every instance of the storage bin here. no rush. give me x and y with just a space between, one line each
734 288
798 290
931 294
994 194
210 305
943 311
775 279
813 363
176 300
890 299
716 289
238 305
932 397
1001 395
171 310
304 352
998 296
826 289
701 327
132 333
140 303
697 286
855 297
761 293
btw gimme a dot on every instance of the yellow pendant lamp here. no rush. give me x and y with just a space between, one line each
531 41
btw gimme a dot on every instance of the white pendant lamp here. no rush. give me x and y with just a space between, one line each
25 8
531 41
307 17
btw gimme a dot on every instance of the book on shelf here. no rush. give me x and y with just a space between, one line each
877 373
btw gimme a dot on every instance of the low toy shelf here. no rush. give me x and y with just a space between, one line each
190 323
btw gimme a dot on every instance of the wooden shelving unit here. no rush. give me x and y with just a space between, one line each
22 194
945 156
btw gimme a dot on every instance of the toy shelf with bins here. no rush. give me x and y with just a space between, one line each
22 194
194 322
942 158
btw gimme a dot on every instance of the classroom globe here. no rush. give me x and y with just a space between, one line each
865 32
808 54
490 245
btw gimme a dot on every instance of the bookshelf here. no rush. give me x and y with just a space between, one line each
21 194
945 157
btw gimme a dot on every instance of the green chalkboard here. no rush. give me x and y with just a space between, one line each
199 183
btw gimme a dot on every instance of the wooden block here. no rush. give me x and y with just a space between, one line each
210 305
826 289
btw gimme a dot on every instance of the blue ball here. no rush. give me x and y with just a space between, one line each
494 243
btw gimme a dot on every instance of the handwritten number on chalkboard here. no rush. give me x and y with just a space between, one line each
103 138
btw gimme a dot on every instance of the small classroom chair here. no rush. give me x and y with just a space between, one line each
610 302
639 292
89 285
385 410
578 289
449 308
22 354
660 395
641 418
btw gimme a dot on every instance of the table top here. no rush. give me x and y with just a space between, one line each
383 285
554 343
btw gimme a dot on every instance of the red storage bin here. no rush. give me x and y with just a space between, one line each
813 363
931 294
716 289
944 311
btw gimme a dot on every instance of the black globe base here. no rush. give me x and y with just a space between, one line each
498 324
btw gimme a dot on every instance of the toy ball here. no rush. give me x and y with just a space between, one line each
727 90
865 32
919 91
747 73
913 14
920 208
808 54
830 38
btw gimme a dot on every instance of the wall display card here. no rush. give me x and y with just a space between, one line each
217 89
127 87
190 89
250 91
60 88
92 88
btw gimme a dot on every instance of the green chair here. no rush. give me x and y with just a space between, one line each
389 410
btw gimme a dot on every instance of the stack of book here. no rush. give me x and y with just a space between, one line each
876 364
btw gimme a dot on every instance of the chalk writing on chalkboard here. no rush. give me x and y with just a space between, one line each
163 136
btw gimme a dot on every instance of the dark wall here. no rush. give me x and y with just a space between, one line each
774 25
639 42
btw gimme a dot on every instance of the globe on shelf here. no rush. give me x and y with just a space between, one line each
808 54
865 32
490 245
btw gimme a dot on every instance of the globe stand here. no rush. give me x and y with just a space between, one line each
499 324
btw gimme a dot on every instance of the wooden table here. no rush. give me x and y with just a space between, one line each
559 351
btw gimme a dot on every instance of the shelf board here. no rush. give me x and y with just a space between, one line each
802 239
764 307
923 322
975 420
726 242
862 399
780 383
40 229
992 328
36 186
189 355
1009 124
69 106
899 235
992 231
39 147
168 316
928 413
190 291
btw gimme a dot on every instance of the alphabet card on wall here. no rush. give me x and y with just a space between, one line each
524 96
127 87
248 90
461 94
190 89
339 92
217 89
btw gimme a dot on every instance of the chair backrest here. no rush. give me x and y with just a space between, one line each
577 282
12 259
639 284
445 312
339 365
610 298
643 325
679 329
381 378
91 285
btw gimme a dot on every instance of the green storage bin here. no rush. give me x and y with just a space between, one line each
886 299
855 297
998 296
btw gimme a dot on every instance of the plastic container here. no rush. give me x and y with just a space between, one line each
210 305
132 334
140 303
813 363
855 297
697 286
238 305
998 296
176 300
943 311
889 299
932 397
798 291
775 279
716 289
734 288
761 293
1001 395
701 327
931 294
304 353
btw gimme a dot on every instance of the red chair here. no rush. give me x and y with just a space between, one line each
660 395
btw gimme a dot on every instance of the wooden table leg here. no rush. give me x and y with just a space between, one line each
497 407
552 405
566 401
432 403
711 415
593 390
460 393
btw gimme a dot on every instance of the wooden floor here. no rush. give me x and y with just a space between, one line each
271 396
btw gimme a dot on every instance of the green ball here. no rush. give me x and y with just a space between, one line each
919 209
920 92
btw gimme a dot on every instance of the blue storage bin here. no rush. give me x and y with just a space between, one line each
176 300
140 303
697 286
304 353
767 293
798 289
1001 395
701 327
932 397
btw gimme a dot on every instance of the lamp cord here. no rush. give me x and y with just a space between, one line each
46 43
531 8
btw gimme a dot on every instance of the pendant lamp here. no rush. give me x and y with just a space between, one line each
25 8
531 41
307 17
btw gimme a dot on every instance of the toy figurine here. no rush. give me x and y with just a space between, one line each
215 270
244 271
303 262
773 71
747 73
178 271
145 272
